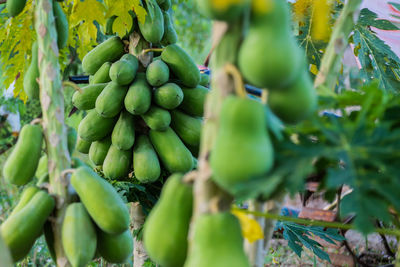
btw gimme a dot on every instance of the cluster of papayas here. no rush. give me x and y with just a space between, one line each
31 86
96 226
141 118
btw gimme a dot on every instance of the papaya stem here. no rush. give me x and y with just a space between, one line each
73 85
240 90
66 171
336 225
36 121
331 61
153 50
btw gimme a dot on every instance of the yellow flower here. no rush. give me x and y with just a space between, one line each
251 229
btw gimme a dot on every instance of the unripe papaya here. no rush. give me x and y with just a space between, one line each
170 36
25 198
225 12
157 73
82 146
204 79
102 75
117 163
157 118
14 7
181 64
31 86
282 65
166 5
168 96
115 248
101 200
98 150
145 161
110 101
72 136
22 229
188 128
217 241
153 27
166 229
138 99
78 235
242 130
123 134
94 127
42 168
86 98
61 25
20 166
193 100
173 154
108 51
123 71
296 102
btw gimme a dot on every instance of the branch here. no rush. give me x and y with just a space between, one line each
331 61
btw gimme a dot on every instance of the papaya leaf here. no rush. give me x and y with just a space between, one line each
122 24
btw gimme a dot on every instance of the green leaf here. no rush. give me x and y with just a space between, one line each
369 18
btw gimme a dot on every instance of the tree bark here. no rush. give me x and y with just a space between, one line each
52 102
137 218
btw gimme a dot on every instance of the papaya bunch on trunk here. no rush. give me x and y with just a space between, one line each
142 120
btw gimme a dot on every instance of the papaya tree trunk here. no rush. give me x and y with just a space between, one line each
331 61
255 250
52 102
137 218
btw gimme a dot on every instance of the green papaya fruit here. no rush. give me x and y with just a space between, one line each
22 229
111 100
98 150
94 127
86 98
123 71
138 99
296 102
25 198
101 200
109 25
14 7
188 128
168 96
21 165
115 248
153 27
102 75
166 5
42 168
157 73
49 238
217 242
226 12
82 146
108 51
78 235
242 148
72 137
61 25
170 35
145 161
193 100
165 232
117 163
204 79
157 118
173 154
123 134
181 64
31 86
280 67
